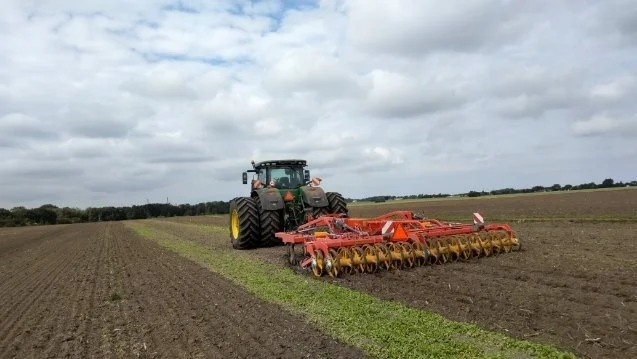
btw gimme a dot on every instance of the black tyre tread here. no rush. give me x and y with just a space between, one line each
248 223
337 203
269 224
319 211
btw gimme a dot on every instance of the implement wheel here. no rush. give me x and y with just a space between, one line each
244 223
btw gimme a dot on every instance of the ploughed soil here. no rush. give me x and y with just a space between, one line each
609 204
97 290
573 285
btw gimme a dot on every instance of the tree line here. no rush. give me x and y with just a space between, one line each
607 183
51 214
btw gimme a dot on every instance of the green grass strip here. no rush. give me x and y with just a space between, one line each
382 328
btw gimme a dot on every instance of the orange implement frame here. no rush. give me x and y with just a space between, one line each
333 245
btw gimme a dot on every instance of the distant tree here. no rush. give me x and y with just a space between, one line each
6 218
556 187
47 214
589 185
608 183
19 215
473 194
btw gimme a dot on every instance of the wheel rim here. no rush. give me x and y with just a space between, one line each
234 224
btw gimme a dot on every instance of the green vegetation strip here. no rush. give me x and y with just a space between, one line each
384 329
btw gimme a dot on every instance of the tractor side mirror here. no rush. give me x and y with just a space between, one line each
306 175
245 177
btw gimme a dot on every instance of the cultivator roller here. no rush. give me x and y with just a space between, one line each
332 245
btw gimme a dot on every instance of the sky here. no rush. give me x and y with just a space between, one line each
118 103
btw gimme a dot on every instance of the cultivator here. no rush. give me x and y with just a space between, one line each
334 244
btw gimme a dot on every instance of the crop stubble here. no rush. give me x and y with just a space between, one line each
95 290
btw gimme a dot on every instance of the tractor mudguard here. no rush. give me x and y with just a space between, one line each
314 196
271 199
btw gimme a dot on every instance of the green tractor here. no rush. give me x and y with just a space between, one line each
282 197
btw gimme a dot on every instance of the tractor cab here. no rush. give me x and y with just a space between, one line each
280 174
282 198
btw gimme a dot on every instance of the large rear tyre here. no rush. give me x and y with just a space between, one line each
337 203
244 223
320 211
270 222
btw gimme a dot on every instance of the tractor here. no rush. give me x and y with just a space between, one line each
282 197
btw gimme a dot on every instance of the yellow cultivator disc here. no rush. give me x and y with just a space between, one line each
401 244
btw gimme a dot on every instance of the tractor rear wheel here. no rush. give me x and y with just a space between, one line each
270 222
320 211
244 223
337 203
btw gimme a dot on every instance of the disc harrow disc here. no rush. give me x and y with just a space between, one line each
344 255
318 263
384 256
371 259
333 264
396 255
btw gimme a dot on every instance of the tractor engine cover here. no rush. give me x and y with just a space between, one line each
314 196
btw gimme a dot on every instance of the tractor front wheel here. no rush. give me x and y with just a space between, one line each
244 223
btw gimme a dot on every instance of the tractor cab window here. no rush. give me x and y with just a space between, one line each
262 176
286 177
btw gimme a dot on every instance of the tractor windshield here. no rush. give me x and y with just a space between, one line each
286 177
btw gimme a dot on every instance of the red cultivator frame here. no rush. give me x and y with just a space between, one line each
332 245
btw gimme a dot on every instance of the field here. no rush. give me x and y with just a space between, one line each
172 288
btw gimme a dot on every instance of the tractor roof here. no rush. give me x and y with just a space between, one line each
284 162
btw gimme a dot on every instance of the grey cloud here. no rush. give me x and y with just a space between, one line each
523 92
229 174
614 20
164 148
162 86
34 196
103 119
35 171
180 159
533 106
416 28
17 127
411 104
255 118
125 185
312 71
602 125
394 95
102 128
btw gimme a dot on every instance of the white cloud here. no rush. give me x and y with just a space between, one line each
615 89
601 124
107 102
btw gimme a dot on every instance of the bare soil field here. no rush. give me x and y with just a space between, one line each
97 290
620 203
573 285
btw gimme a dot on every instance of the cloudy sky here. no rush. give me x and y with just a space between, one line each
115 103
